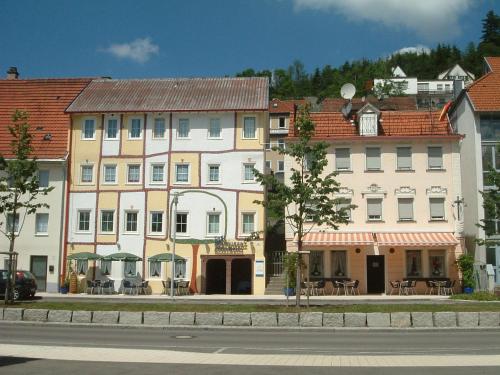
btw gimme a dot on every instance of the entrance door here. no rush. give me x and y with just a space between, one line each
241 276
375 274
216 276
38 267
493 258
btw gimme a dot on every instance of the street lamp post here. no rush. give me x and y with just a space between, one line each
172 280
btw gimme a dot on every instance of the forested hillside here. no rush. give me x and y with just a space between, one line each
296 82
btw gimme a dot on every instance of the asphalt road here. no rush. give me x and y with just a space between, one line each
253 341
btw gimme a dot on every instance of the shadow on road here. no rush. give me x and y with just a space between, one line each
9 361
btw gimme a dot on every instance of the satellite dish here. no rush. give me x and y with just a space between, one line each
347 91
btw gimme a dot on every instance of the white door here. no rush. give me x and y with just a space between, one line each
493 257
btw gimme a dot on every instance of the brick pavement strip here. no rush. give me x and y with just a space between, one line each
36 315
181 318
311 319
60 316
156 318
333 319
445 319
422 319
264 319
400 319
208 319
13 314
468 319
489 319
81 317
236 319
288 319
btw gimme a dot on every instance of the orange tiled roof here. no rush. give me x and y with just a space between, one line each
485 92
45 100
395 103
392 124
284 106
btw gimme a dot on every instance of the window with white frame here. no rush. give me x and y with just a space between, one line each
342 159
106 267
131 221
437 263
111 131
281 144
405 209
133 173
157 173
248 175
12 223
182 173
248 220
339 263
154 268
181 223
491 160
413 263
249 129
214 130
107 221
88 129
84 221
437 208
156 219
87 174
82 266
374 209
435 157
43 178
281 166
345 207
403 158
183 129
373 159
181 270
42 223
109 173
129 268
159 128
213 223
214 173
135 130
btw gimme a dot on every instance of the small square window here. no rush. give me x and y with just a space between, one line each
182 173
12 224
213 223
405 209
281 166
42 223
110 173
181 223
157 173
112 129
43 178
131 222
373 159
156 222
403 158
159 128
87 174
345 207
107 221
89 129
249 127
214 130
248 174
135 131
342 159
248 223
84 221
214 173
134 173
183 131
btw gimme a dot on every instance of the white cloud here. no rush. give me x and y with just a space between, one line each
419 49
435 20
139 50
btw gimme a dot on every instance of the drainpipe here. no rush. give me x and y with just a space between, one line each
62 225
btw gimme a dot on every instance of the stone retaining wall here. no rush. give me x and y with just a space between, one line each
261 319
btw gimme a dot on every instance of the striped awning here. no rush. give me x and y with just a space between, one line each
337 238
424 239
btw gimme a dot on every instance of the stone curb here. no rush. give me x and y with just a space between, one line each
402 320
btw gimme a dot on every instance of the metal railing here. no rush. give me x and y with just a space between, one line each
274 261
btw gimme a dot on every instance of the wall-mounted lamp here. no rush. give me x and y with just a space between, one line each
391 250
358 250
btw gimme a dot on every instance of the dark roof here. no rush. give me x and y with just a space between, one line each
45 100
173 94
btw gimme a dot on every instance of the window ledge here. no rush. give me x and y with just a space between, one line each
405 170
374 171
436 170
135 139
438 221
111 139
407 221
130 233
156 234
106 233
41 234
375 221
344 171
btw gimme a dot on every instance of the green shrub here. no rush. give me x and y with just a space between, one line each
465 263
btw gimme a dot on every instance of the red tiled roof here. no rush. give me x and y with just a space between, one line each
173 94
485 92
392 123
396 103
284 106
45 100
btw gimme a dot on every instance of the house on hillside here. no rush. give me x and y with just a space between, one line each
401 168
40 240
164 164
476 114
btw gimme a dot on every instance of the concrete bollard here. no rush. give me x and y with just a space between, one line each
105 317
333 319
378 319
236 319
400 319
60 316
81 317
288 319
208 319
130 317
13 314
421 319
468 319
445 319
311 319
355 319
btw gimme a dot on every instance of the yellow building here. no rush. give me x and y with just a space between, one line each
135 144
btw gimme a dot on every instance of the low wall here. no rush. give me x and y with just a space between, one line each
260 319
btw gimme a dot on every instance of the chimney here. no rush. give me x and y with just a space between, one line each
12 73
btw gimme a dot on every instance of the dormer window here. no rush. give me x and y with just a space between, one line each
368 120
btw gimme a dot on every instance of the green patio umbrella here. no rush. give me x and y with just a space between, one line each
84 256
126 257
165 257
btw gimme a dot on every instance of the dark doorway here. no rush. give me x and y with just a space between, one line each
241 276
38 267
375 274
216 276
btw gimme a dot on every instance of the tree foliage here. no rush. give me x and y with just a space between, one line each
491 205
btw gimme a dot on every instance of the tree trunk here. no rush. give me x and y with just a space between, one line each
9 297
299 273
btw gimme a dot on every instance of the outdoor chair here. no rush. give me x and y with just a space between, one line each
130 287
143 287
338 285
355 287
107 286
394 286
320 287
183 287
166 286
431 287
412 287
448 288
91 287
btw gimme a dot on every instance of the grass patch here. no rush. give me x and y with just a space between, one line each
478 296
184 307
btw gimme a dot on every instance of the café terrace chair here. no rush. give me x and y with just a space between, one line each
355 287
183 287
447 289
130 287
430 287
107 286
394 286
412 287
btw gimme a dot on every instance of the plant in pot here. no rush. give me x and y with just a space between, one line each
290 267
64 288
465 263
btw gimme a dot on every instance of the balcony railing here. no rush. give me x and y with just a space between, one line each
280 131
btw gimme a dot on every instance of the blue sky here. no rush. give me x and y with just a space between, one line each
175 38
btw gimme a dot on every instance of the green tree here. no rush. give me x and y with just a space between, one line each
19 186
491 205
307 200
490 38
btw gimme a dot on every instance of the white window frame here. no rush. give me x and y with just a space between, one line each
141 127
16 219
209 136
209 181
279 122
243 127
412 209
153 135
106 129
83 137
188 135
282 163
78 220
125 220
188 174
37 216
410 169
112 231
242 227
379 159
160 276
213 213
245 181
128 174
104 167
82 166
40 171
181 234
154 233
151 177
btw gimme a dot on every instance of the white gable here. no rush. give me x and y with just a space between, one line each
398 72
